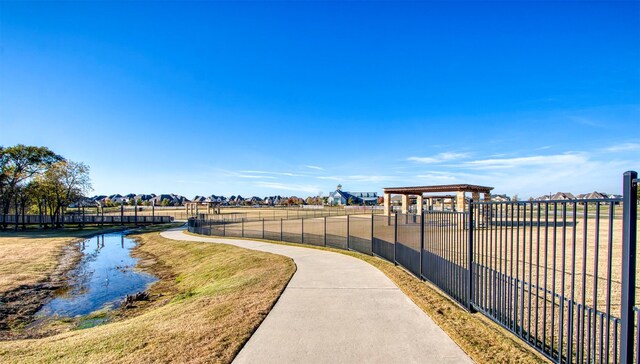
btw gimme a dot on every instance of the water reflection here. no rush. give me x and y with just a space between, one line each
104 276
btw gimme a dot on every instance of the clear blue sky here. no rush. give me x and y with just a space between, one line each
261 98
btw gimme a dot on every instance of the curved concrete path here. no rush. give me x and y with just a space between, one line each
339 309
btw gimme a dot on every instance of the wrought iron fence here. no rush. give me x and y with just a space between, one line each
561 275
82 219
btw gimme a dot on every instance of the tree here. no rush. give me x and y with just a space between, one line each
63 183
18 165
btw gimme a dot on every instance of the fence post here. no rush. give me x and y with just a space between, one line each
372 222
470 258
325 231
348 216
263 227
280 229
122 212
302 230
395 239
421 242
224 228
629 224
242 227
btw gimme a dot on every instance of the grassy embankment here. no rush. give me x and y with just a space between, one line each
209 300
483 340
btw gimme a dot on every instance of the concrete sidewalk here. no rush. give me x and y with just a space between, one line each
339 309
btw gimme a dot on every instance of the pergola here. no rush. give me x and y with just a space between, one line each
212 207
419 192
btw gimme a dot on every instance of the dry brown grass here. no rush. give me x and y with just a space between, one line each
208 302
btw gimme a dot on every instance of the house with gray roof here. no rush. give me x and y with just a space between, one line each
341 198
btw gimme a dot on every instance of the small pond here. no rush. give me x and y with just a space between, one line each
104 276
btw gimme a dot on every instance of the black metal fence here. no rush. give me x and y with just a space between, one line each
82 219
561 275
277 213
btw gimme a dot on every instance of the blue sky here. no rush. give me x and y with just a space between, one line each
292 98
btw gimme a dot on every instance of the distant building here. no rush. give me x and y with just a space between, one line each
557 196
171 200
341 198
273 200
216 199
199 199
592 196
500 198
255 200
563 196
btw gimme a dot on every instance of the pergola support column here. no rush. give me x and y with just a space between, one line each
460 201
419 202
387 204
405 204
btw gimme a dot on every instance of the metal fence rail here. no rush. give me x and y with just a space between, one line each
444 261
384 237
544 270
407 247
360 233
82 219
560 275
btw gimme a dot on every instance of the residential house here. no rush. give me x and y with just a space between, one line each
557 196
500 198
592 196
563 196
199 199
341 198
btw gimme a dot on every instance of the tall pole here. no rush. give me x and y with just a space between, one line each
629 225
470 258
325 231
395 238
421 242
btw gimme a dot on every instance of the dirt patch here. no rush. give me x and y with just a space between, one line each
19 305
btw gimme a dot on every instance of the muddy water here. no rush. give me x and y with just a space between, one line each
104 277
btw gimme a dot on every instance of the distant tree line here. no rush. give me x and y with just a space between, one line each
35 180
